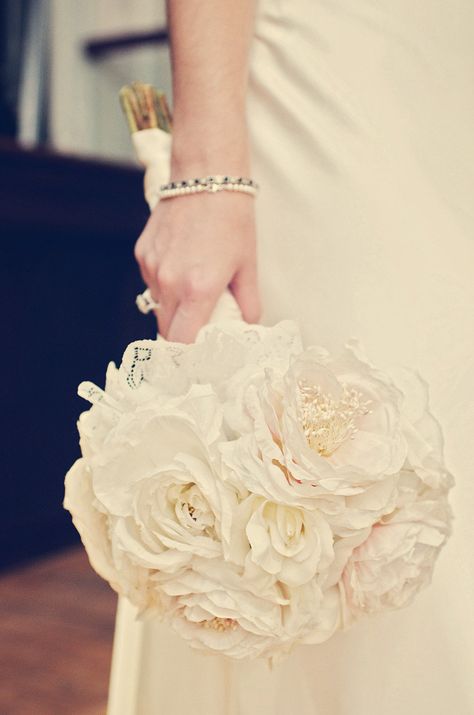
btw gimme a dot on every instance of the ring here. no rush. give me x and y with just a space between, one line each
145 302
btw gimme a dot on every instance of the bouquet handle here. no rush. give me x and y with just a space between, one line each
153 149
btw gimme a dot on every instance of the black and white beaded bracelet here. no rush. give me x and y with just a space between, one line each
208 183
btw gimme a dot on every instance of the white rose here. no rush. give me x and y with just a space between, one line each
155 497
288 542
159 476
93 525
176 512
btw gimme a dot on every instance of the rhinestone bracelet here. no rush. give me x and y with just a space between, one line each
208 183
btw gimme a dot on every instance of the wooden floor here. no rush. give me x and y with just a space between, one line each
56 629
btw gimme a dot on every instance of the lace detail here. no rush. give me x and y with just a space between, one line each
135 373
233 344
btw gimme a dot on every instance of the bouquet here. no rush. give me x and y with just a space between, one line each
256 493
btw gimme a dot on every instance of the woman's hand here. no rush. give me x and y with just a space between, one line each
194 246
190 250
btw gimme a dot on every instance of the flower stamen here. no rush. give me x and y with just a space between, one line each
327 422
221 624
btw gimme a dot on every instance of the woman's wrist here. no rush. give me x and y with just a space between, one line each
213 149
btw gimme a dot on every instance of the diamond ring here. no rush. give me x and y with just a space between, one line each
145 302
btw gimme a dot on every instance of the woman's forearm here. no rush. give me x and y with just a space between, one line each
210 42
195 247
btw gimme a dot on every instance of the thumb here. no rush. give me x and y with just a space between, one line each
244 286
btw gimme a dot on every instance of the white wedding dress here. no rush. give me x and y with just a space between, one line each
361 116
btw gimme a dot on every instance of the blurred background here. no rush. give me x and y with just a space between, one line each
71 208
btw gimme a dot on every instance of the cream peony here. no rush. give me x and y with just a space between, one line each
217 608
397 559
422 431
326 429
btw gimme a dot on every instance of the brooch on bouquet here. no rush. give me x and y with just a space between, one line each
253 492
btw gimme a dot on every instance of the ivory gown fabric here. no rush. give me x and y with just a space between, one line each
361 115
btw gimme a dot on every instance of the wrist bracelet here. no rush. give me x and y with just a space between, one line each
208 183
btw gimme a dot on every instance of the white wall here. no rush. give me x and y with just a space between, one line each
85 116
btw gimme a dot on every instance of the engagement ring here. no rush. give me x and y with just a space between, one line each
145 302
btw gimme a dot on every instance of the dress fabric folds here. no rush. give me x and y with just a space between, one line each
360 115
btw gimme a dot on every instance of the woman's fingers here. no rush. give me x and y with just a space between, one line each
168 298
244 286
198 298
148 265
185 306
188 319
190 251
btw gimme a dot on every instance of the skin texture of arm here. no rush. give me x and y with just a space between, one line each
194 246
